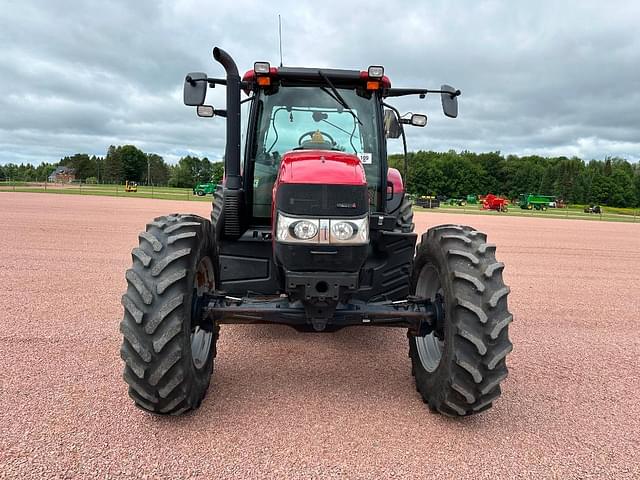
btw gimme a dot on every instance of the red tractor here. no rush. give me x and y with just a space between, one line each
491 202
312 229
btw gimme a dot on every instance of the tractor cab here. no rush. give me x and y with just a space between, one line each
296 110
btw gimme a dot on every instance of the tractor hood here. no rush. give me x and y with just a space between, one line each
321 167
323 188
321 183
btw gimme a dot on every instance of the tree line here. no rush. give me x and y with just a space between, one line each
121 163
613 181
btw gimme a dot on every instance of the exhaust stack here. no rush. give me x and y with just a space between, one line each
233 192
232 149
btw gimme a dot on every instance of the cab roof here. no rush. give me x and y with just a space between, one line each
312 75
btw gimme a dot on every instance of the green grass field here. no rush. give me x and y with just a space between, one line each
164 193
611 214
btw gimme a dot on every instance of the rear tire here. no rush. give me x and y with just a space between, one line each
458 369
168 351
217 208
404 219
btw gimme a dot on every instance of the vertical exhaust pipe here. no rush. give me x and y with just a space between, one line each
233 193
232 148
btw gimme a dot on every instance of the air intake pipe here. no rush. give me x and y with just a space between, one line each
232 148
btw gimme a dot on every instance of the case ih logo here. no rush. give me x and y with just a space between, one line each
347 205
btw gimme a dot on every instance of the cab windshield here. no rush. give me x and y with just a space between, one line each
299 118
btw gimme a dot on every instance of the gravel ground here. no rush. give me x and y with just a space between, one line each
289 405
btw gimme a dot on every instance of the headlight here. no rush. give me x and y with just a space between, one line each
352 232
304 229
342 230
322 231
295 230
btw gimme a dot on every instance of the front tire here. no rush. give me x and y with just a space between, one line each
459 367
167 349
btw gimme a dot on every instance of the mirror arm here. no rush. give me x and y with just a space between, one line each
455 94
216 81
401 92
191 81
211 81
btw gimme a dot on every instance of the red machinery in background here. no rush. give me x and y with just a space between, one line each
492 202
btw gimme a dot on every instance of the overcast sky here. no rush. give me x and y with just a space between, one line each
536 77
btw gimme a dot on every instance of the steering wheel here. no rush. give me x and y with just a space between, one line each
310 133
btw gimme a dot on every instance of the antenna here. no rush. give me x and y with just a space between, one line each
280 36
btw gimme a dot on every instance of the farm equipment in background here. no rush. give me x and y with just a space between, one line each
428 201
130 186
457 202
313 230
472 199
529 201
597 209
492 202
202 189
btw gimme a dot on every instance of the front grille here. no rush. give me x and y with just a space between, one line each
323 200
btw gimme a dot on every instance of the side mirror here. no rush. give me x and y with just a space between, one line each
418 120
449 97
195 89
392 128
205 111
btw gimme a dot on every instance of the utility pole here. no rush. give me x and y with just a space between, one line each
148 171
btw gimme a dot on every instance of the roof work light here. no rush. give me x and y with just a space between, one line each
262 68
376 71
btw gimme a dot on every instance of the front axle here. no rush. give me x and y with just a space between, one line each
419 316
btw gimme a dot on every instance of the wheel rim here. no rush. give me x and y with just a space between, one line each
201 338
429 347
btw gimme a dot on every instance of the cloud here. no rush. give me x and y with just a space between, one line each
555 78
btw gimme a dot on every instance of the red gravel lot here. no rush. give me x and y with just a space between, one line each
284 404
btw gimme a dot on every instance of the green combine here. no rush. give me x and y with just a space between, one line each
532 201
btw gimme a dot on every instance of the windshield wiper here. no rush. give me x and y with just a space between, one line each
336 95
336 127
